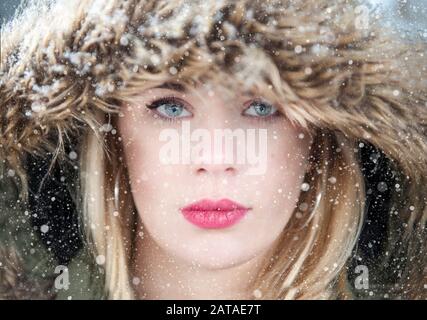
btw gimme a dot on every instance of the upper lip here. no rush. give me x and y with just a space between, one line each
212 205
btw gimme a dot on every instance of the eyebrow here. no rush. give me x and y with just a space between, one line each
172 86
179 87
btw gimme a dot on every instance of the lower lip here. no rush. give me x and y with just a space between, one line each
214 219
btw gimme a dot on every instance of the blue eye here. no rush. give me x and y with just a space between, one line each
260 109
170 108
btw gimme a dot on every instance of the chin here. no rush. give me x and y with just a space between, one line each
215 258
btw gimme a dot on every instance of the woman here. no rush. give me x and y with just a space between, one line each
112 89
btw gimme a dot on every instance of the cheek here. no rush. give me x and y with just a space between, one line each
287 159
286 167
153 184
140 153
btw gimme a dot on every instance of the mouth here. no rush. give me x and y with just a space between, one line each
209 214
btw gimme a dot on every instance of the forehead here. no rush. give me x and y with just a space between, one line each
205 84
225 90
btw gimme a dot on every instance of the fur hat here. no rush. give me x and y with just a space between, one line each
63 61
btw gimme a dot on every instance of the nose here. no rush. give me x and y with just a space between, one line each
218 164
215 169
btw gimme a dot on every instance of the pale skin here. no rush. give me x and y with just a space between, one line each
175 259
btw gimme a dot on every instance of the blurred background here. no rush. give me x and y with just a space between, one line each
408 17
405 15
7 8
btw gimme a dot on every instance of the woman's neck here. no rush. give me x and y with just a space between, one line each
158 275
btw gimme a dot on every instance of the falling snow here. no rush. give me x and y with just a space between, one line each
116 41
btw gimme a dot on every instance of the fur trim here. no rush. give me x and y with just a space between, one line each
62 61
360 82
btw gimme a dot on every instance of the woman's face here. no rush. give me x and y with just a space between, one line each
205 203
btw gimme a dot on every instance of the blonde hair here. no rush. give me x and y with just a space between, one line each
313 249
330 77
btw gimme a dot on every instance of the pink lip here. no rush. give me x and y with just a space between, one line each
211 214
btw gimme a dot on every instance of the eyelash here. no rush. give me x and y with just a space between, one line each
268 118
152 105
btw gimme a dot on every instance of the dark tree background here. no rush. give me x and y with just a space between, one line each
406 16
